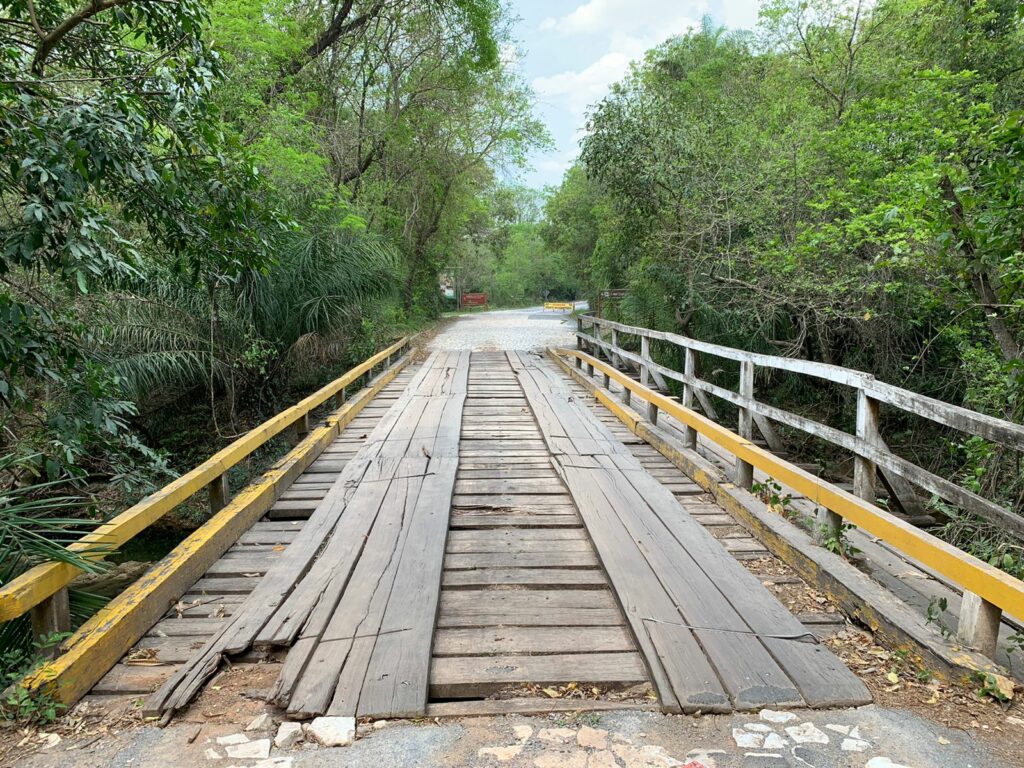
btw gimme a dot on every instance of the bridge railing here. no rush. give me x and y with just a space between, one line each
42 590
872 458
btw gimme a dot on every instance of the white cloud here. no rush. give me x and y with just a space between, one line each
575 90
629 28
605 36
628 18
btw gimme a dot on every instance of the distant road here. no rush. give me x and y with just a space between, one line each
529 328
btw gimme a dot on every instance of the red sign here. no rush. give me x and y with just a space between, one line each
474 299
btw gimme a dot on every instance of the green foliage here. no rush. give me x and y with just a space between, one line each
835 540
17 703
933 615
842 185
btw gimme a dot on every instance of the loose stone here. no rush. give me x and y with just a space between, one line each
253 750
288 735
773 716
592 738
332 731
502 754
807 733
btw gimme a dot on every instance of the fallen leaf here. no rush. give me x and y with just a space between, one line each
552 693
892 677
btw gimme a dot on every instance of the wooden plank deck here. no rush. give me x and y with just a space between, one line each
523 601
158 655
713 636
475 534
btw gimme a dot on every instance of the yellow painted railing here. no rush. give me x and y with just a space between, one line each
993 586
39 583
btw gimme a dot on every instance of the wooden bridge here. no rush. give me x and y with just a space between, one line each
470 528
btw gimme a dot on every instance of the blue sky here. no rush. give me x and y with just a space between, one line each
571 51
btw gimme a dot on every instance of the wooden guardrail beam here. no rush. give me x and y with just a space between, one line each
949 415
867 447
40 582
993 588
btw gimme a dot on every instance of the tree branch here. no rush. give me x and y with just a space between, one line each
52 39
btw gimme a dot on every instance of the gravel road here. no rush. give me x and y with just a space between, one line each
530 328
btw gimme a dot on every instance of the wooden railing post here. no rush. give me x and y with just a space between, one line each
52 615
299 429
595 329
645 355
979 624
652 413
867 430
689 368
219 493
745 425
579 330
341 397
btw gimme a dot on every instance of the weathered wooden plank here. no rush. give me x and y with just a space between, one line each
239 632
464 676
524 577
460 561
494 641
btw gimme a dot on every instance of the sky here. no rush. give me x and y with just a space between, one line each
571 51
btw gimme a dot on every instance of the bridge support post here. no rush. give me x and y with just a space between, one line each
689 368
298 430
652 413
979 624
745 425
52 615
219 493
341 397
645 355
579 330
867 430
627 396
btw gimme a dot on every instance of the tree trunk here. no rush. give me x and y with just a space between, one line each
981 280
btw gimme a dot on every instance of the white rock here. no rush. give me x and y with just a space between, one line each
592 738
882 762
263 722
332 731
379 724
758 728
855 745
773 716
774 741
501 754
234 738
776 755
806 733
288 735
843 729
522 732
254 750
746 739
855 732
212 754
556 735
